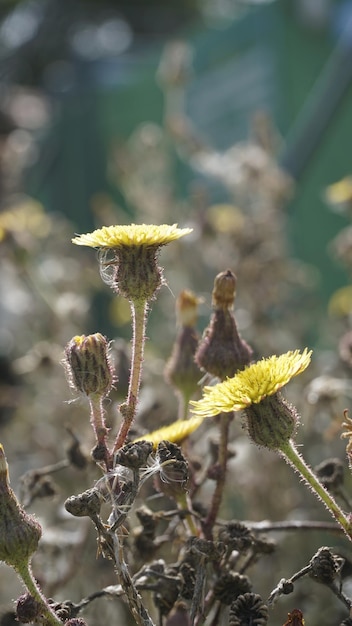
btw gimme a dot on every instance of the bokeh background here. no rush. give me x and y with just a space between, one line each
231 117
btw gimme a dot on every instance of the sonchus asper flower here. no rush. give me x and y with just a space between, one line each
88 364
128 256
270 420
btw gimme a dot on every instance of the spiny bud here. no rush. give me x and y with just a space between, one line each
272 422
181 370
19 532
88 365
222 352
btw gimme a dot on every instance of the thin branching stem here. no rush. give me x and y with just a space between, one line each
221 478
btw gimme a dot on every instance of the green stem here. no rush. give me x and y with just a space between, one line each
184 504
290 454
128 409
25 572
183 404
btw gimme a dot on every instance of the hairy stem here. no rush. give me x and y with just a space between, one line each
97 421
291 455
128 409
25 572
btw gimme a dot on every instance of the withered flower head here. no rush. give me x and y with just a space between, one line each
248 610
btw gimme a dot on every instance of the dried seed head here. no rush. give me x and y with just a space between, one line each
86 504
248 610
325 566
236 536
231 585
28 609
134 455
222 352
272 422
88 365
173 469
19 532
203 548
76 621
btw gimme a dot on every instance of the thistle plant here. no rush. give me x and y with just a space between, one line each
183 563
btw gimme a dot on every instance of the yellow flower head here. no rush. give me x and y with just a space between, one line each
128 256
175 432
252 385
131 235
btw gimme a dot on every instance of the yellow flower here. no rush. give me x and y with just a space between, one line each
131 235
251 385
175 432
128 256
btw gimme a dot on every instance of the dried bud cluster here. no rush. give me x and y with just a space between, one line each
88 366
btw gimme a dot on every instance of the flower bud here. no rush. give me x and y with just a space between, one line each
181 370
271 422
222 352
19 532
88 365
